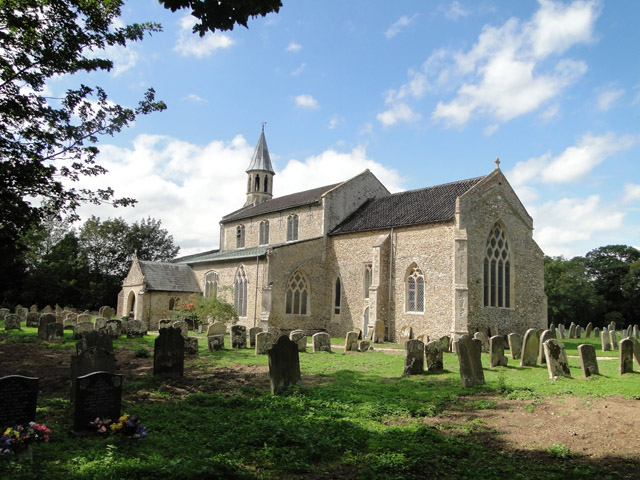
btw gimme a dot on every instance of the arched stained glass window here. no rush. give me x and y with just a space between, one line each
297 297
497 269
240 292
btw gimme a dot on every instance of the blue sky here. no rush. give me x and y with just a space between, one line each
421 93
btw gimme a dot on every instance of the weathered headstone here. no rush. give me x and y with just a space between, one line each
94 338
515 345
47 309
215 342
636 331
626 356
18 400
496 352
484 341
446 343
253 331
493 330
264 342
588 330
22 313
605 340
113 328
217 328
101 323
406 333
530 347
136 329
578 331
83 317
190 345
321 342
613 338
469 352
552 327
70 321
55 331
561 330
364 345
572 330
3 312
351 342
182 326
284 365
33 319
82 328
168 353
612 326
45 319
359 330
300 338
12 322
33 308
165 323
596 333
433 355
238 336
92 359
378 334
588 360
546 335
108 312
629 332
97 395
556 358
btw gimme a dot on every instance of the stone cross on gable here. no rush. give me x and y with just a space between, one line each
497 162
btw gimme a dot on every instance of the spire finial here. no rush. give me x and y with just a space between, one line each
497 162
263 124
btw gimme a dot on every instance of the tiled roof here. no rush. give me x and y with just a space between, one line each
186 258
217 256
426 205
280 203
170 277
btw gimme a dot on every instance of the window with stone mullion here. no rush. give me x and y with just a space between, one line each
497 269
297 296
415 291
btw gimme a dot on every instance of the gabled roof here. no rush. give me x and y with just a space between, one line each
308 197
415 207
169 277
217 256
261 159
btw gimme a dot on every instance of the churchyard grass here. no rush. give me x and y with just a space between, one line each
354 416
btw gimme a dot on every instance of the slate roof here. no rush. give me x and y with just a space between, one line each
171 277
217 256
415 207
261 159
308 197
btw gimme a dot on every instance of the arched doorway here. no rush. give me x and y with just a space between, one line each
131 305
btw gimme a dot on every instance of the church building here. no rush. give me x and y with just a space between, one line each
442 260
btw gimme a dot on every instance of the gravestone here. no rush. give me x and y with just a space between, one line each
300 338
405 334
561 330
33 308
378 333
596 333
515 345
70 321
217 328
97 395
3 312
113 328
636 331
496 352
484 341
92 359
253 331
215 342
572 330
552 327
433 351
12 322
446 343
190 345
588 360
364 345
578 331
82 328
165 323
284 365
321 342
182 326
136 329
168 353
493 330
588 330
45 319
629 332
238 336
101 323
613 338
546 335
556 358
22 313
351 342
636 350
83 317
359 330
530 347
18 400
47 309
55 331
612 326
469 352
626 356
94 339
108 312
264 342
33 319
605 340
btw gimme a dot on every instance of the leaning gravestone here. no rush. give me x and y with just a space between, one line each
588 360
97 395
546 335
556 357
33 319
168 353
433 356
484 341
238 336
496 352
469 352
515 345
215 342
605 340
45 319
136 329
351 342
378 332
413 357
92 359
626 356
321 342
300 338
12 322
94 339
531 345
588 330
82 328
629 332
113 328
572 330
253 331
264 342
182 325
364 345
284 365
18 400
55 331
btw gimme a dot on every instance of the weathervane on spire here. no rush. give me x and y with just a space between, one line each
263 124
497 162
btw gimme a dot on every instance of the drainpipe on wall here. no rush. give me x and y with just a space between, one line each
255 303
390 283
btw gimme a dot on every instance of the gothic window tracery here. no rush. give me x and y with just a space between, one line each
240 283
497 269
211 284
297 297
415 290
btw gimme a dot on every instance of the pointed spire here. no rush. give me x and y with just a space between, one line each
261 159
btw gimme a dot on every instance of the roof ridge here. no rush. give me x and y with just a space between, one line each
439 185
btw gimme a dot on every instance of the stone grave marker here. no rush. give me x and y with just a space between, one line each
596 333
469 352
552 327
190 345
446 343
97 394
264 342
92 359
33 319
578 331
12 322
493 330
613 338
18 400
182 326
82 328
359 330
605 340
113 328
588 330
217 328
253 331
364 345
405 334
321 342
572 330
626 356
378 333
238 336
284 365
108 312
531 345
101 323
3 312
33 308
22 313
45 319
636 331
497 357
215 342
556 357
168 353
515 345
546 335
47 309
629 332
136 329
94 338
351 342
561 330
588 360
612 326
165 323
70 321
433 351
55 331
484 341
300 338
83 317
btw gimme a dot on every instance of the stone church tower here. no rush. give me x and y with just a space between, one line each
260 173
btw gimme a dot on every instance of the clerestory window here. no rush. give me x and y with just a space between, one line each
292 228
264 232
240 236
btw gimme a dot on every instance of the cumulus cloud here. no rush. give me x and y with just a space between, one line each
607 98
293 47
335 122
631 192
192 45
398 112
456 11
192 97
399 25
307 101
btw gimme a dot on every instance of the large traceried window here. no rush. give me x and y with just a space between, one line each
292 228
240 236
264 232
297 298
497 269
415 290
211 284
240 292
337 296
367 280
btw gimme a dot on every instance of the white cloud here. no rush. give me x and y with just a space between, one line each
366 129
456 11
190 44
307 101
294 47
399 112
298 70
631 192
335 122
490 130
123 58
399 25
192 97
550 113
607 98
